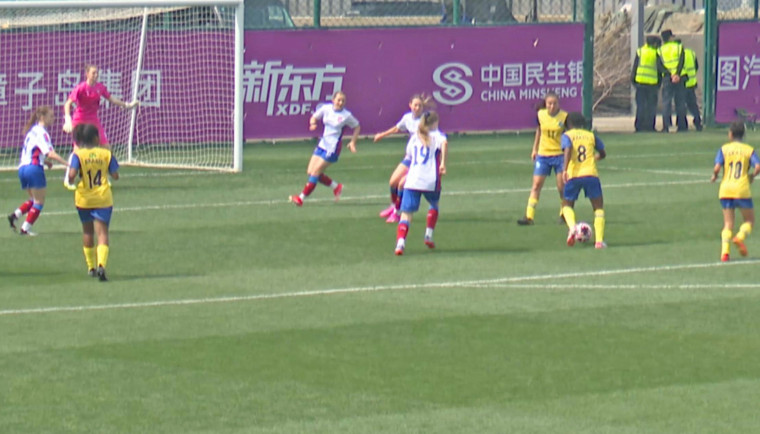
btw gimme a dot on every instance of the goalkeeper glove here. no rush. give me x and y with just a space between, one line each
67 126
131 105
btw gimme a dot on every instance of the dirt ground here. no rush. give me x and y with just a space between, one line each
624 124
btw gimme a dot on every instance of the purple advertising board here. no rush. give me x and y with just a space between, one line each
175 106
482 79
738 70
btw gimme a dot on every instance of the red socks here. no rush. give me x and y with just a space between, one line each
432 218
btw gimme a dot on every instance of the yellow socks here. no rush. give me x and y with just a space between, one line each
530 211
725 239
569 214
89 257
744 230
102 255
599 225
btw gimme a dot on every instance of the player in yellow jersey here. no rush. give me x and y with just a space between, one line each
546 154
93 197
735 157
582 150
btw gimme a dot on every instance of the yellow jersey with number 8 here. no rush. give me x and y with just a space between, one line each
583 154
94 189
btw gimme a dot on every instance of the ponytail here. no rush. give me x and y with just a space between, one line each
428 119
35 117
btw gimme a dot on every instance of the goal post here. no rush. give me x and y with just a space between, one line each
181 59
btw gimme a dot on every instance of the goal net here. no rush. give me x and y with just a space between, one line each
182 60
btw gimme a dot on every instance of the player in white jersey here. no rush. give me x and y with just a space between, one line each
334 117
31 173
408 124
427 151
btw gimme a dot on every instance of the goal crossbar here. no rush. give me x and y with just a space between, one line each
181 59
114 3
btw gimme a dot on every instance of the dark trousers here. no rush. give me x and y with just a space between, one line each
646 106
693 107
674 94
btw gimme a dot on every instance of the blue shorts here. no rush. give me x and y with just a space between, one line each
32 176
590 185
736 203
87 215
544 165
410 200
330 158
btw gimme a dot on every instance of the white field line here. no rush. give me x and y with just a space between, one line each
378 288
164 207
571 286
631 169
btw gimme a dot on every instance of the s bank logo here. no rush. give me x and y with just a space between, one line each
451 78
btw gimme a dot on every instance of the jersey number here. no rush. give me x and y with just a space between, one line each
581 153
423 152
97 180
735 170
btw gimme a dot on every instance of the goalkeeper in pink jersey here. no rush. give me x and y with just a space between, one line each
86 95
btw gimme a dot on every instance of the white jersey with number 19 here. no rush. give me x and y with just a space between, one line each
425 160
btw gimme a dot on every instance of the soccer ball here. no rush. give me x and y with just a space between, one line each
583 232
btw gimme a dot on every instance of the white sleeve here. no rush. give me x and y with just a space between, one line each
44 144
320 112
352 122
401 124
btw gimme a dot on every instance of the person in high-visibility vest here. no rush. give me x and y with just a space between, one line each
691 66
673 90
646 76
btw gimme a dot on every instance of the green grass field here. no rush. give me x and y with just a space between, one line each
230 310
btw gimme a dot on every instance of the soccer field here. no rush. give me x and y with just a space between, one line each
231 310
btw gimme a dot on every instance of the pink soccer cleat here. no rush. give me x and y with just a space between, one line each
724 258
387 211
399 250
393 218
296 200
337 192
600 245
429 242
571 237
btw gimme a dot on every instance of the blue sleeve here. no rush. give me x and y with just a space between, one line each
113 166
75 162
719 158
753 160
565 142
599 143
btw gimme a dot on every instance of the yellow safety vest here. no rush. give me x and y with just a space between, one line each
670 53
690 67
646 72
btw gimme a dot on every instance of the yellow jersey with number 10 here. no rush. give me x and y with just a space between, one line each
93 189
736 164
552 128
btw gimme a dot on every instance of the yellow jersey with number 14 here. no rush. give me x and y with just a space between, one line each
93 189
552 128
